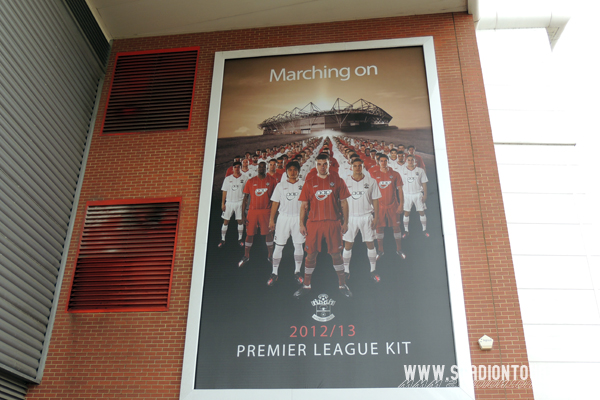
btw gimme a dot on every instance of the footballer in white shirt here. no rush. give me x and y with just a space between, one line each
415 192
363 212
285 201
231 201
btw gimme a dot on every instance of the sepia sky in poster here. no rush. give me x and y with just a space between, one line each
255 89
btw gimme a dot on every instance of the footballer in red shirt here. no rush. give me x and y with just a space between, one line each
272 172
391 203
324 199
258 191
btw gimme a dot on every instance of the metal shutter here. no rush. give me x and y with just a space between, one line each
48 82
151 91
90 28
11 388
125 257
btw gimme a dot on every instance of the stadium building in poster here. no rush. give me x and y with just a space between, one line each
358 116
118 276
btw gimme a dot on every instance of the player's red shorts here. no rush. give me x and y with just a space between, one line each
257 218
330 230
388 217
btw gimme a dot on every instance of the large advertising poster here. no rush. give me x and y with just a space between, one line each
271 312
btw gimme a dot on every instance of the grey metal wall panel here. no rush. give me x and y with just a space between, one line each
49 76
11 388
90 28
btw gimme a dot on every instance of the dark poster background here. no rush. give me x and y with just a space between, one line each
403 320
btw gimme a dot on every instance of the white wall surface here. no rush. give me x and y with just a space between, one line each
544 109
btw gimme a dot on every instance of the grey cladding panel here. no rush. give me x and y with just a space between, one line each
49 75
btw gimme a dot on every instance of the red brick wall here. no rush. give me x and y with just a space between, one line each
139 355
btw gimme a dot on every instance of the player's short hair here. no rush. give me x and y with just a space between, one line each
280 158
323 156
272 160
410 147
292 164
237 163
354 155
393 149
382 155
262 162
236 157
410 156
357 159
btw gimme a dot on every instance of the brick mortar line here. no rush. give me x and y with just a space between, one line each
460 65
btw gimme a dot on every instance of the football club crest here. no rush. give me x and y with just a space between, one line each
323 306
332 184
366 186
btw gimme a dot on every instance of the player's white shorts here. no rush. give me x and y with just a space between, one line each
362 223
232 208
287 226
416 199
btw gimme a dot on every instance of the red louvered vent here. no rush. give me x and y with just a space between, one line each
151 91
125 257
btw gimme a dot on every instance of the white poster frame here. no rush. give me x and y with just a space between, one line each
465 390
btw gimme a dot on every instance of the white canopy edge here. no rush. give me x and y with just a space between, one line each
521 14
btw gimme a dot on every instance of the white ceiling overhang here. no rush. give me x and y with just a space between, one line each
120 19
552 15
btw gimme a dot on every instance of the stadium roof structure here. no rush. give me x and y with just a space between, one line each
361 114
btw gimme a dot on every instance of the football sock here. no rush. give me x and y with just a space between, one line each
277 254
424 222
339 269
240 231
346 255
379 237
372 256
406 219
223 232
298 256
308 270
398 238
248 246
